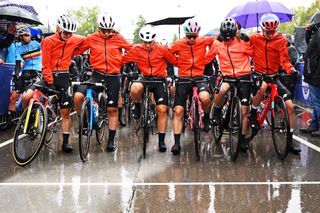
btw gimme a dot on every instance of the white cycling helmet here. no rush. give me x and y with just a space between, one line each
67 23
147 33
105 21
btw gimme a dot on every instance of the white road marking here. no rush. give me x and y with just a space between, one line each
167 183
307 143
11 140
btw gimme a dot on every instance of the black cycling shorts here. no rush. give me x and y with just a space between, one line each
282 90
183 90
61 82
111 82
21 85
159 90
244 90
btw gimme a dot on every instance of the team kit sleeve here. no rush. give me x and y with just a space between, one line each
46 61
284 58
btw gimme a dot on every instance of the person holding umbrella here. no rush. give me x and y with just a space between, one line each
271 51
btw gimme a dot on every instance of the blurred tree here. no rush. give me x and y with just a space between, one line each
86 17
140 23
175 37
301 17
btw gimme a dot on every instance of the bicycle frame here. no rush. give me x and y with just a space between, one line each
37 95
195 97
270 104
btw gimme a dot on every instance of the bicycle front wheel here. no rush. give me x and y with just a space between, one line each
145 124
84 130
101 122
235 128
196 129
29 134
280 128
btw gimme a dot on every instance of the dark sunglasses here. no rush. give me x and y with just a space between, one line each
191 36
104 31
67 34
26 35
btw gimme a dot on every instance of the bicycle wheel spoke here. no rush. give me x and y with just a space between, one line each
26 146
84 130
280 128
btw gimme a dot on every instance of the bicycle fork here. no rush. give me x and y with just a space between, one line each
35 125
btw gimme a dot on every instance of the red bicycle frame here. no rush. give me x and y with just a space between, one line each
261 116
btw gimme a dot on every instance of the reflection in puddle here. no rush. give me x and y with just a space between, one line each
212 190
76 191
294 204
126 189
172 192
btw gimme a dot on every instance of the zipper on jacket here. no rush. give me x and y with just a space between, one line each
105 54
192 60
61 54
149 62
234 75
267 57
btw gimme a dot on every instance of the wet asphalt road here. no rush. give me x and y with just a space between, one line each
125 182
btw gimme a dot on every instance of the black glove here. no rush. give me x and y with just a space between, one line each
15 78
220 38
244 37
295 74
51 87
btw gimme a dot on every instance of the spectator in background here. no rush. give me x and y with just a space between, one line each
290 81
6 40
312 73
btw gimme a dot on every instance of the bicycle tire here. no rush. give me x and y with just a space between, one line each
280 128
84 132
196 129
217 130
50 131
145 126
23 143
101 120
235 127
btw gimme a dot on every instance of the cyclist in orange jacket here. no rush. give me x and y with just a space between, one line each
106 60
271 51
234 57
57 51
151 60
191 52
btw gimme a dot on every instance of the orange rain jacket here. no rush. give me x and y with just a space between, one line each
56 54
191 58
233 57
150 62
105 53
270 54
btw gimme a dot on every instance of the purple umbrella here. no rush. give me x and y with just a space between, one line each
249 14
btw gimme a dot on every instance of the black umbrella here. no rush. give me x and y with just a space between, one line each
171 21
14 13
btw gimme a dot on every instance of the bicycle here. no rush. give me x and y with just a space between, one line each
231 116
194 112
92 117
148 118
280 126
127 102
36 126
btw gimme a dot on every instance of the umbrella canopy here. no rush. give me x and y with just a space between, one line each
171 21
249 14
18 13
